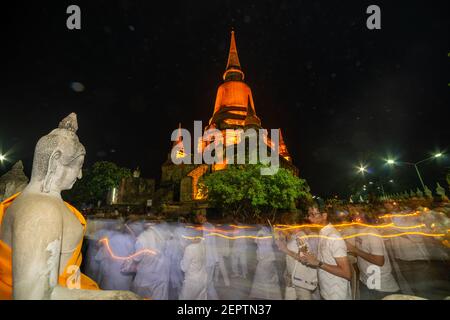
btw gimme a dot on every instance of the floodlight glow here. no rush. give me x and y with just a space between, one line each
390 161
362 169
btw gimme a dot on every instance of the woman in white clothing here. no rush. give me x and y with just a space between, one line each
193 265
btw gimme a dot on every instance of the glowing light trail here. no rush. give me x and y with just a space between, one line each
227 237
201 228
241 227
324 237
105 241
434 235
343 225
399 215
286 227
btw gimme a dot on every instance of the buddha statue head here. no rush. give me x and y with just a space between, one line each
58 158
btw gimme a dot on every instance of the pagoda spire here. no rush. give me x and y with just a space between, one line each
233 71
233 58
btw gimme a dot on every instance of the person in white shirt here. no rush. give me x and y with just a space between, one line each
301 277
334 270
193 265
375 271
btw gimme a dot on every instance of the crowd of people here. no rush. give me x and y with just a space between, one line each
336 252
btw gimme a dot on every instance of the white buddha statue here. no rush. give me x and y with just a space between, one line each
40 234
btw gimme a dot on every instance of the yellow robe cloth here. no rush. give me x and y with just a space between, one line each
6 281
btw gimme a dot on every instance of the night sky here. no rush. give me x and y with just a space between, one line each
341 93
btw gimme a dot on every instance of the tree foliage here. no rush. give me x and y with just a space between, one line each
241 190
96 182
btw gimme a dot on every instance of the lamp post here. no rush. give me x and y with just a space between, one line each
2 158
435 156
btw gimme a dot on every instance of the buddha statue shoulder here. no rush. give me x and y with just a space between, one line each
41 235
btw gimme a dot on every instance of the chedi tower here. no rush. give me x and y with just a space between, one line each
234 108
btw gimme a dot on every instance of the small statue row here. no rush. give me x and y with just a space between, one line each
440 191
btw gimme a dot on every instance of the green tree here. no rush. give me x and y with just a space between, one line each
242 191
97 181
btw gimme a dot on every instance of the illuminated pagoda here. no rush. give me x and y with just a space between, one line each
234 108
234 98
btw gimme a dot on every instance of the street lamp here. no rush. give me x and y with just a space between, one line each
390 161
2 158
435 156
362 169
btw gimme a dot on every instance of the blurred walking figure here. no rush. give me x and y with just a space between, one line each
152 270
104 228
266 283
212 257
135 227
239 252
116 245
411 258
193 265
223 251
371 256
175 251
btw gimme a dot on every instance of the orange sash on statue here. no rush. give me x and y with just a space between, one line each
6 258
